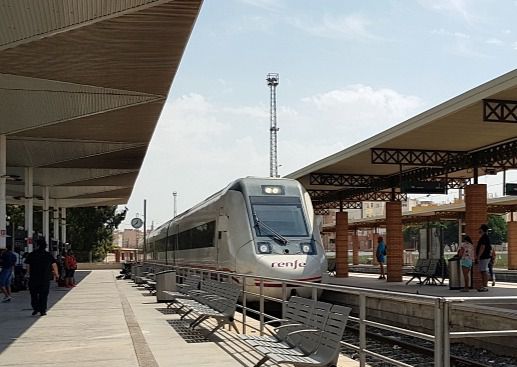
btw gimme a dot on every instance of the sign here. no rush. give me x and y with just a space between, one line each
510 189
137 223
425 187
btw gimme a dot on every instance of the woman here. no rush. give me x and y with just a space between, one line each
379 254
466 255
70 266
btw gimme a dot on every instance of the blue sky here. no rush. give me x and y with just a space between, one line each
348 69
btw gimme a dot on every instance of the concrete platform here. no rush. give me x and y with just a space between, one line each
109 322
370 281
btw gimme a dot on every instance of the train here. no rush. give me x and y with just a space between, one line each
254 226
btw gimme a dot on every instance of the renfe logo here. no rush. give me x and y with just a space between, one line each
288 264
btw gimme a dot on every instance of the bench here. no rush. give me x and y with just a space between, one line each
319 346
419 271
190 283
214 300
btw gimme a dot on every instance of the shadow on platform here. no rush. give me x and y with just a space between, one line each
16 318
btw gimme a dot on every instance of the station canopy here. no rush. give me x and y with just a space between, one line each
82 85
445 147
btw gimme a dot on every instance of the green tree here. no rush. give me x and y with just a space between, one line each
498 232
91 230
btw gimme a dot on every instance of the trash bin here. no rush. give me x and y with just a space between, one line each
165 281
455 275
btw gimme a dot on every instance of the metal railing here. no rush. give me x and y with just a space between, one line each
442 308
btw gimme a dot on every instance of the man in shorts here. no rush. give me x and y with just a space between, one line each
8 261
483 256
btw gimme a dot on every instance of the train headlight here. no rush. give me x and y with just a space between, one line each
306 248
273 190
264 247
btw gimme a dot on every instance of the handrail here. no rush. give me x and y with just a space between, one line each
442 306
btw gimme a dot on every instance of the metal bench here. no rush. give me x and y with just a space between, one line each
306 341
325 352
297 312
190 283
420 270
215 300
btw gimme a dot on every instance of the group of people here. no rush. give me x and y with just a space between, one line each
483 257
39 267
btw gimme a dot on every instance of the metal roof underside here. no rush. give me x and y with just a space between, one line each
82 85
463 125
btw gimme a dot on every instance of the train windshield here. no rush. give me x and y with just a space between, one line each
279 215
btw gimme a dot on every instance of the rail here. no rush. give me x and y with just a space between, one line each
442 308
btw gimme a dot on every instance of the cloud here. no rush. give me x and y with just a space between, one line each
450 7
463 44
365 106
269 5
494 41
514 45
353 26
443 32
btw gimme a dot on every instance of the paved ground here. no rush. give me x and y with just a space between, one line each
370 281
105 322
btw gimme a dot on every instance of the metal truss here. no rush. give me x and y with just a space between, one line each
496 110
336 179
412 157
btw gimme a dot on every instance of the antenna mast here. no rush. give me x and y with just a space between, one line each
272 81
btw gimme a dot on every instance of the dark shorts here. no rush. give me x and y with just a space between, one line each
69 273
5 278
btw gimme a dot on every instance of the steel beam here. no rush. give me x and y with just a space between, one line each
498 110
336 179
413 157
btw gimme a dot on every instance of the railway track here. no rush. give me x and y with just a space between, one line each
413 353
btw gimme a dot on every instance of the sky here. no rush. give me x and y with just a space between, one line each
348 70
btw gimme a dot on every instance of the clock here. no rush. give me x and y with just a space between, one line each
137 223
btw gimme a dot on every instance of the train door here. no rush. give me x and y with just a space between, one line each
222 231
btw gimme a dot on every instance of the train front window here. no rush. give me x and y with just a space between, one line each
284 216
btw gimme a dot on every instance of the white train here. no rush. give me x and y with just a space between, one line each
259 226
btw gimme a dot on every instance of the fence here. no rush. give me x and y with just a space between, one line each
442 309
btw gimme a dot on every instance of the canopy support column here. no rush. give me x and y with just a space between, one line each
475 216
29 206
512 245
355 248
394 241
46 215
3 201
342 244
55 221
63 225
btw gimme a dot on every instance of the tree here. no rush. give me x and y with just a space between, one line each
90 230
498 232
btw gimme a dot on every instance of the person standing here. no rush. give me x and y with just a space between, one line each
483 254
466 254
41 268
380 253
8 261
70 268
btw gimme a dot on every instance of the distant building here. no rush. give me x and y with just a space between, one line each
125 245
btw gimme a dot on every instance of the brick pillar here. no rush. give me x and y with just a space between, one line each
373 237
355 248
342 244
475 215
512 245
394 240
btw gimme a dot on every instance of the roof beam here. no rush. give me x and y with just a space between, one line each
336 179
413 157
497 110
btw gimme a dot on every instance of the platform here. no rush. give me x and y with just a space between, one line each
371 281
109 322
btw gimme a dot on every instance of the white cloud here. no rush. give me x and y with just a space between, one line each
494 41
515 45
443 32
451 7
270 5
353 26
